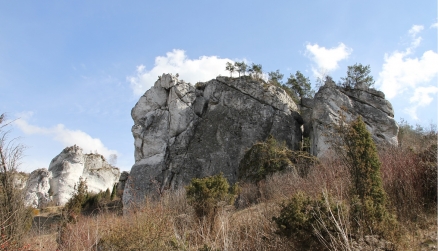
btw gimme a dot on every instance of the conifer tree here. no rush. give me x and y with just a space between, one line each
368 198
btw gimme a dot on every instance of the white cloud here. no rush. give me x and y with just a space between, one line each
415 40
325 59
434 25
190 70
415 30
401 73
421 98
67 137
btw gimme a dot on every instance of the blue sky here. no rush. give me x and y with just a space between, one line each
71 71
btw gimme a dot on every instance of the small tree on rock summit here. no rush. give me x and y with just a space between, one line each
230 67
358 76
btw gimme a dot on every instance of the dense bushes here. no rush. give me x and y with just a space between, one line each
308 221
311 221
205 194
270 156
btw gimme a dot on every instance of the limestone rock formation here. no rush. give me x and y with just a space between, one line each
71 164
322 112
37 190
182 132
122 181
20 179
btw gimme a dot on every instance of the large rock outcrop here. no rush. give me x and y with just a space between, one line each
37 190
182 132
65 171
71 164
324 111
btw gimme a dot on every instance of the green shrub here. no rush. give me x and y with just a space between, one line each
75 204
205 194
266 158
303 218
368 199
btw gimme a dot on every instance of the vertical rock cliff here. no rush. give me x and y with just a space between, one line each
323 112
182 132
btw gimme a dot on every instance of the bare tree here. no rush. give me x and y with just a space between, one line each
15 218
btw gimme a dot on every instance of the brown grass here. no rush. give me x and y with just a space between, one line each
171 224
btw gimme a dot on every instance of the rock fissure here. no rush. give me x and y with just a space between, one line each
368 104
207 129
248 95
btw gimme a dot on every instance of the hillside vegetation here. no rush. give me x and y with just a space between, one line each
325 209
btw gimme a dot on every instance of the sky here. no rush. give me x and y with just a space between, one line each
71 71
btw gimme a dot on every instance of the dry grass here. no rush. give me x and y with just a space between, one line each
171 224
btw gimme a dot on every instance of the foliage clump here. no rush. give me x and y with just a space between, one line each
74 205
270 156
368 199
301 85
358 76
305 220
207 193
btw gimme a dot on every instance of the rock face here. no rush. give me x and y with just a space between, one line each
182 132
71 164
37 188
57 184
322 112
122 181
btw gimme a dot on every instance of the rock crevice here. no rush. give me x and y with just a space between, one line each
183 132
206 130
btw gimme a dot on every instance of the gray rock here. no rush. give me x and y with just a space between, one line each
197 132
122 180
331 101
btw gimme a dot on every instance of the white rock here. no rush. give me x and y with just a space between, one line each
71 164
37 188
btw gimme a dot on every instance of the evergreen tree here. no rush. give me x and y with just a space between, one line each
301 85
275 77
240 67
358 76
256 70
368 198
230 67
364 163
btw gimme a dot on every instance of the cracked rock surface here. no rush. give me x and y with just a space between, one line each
183 132
323 111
